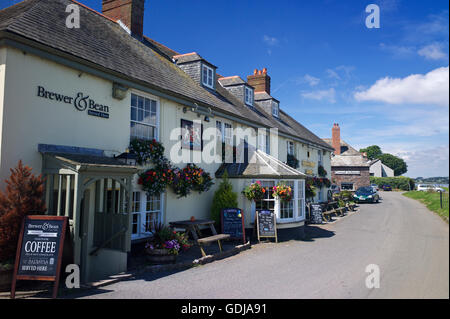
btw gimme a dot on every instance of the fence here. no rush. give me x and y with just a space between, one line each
444 200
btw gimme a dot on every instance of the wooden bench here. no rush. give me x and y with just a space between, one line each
193 226
351 206
207 240
326 215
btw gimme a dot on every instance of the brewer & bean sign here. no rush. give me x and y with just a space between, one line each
39 250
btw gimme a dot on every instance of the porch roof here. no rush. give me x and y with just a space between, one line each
86 162
260 165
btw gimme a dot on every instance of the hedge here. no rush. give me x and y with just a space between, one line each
399 182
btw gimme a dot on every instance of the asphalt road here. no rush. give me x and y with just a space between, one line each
409 244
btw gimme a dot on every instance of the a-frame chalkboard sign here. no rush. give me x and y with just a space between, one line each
232 221
40 250
266 224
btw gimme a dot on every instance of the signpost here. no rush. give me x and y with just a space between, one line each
39 250
266 223
233 223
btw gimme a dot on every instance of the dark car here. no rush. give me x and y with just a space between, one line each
366 195
386 187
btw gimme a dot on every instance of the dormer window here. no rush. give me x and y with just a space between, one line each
208 76
249 96
275 109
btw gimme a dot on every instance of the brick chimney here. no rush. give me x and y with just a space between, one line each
130 12
260 81
336 139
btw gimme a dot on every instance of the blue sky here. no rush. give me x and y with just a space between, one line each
386 86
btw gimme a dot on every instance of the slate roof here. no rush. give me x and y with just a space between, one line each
349 160
260 165
346 149
231 80
103 42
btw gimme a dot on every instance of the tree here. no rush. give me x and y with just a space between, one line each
224 197
397 164
24 195
373 152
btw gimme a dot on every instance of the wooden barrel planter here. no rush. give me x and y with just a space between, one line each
6 277
160 256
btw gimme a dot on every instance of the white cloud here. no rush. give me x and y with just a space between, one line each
433 52
311 80
320 95
430 88
271 41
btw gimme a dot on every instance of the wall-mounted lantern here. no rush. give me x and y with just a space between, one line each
119 91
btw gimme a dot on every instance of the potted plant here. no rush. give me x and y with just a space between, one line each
254 191
165 244
282 192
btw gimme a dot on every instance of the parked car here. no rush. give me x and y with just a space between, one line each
335 189
428 187
374 186
366 195
386 188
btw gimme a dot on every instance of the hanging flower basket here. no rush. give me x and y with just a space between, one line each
282 192
155 181
254 192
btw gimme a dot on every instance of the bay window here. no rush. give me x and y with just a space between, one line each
286 212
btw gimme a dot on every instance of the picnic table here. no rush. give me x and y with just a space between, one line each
193 227
332 209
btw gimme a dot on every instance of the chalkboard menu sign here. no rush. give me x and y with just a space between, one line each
266 223
316 214
39 250
233 223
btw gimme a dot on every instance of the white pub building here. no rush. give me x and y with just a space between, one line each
72 99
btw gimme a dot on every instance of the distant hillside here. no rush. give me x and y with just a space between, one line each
432 180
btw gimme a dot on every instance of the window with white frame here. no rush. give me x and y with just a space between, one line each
249 96
225 136
268 202
208 76
320 157
146 210
293 210
275 109
264 142
290 148
144 118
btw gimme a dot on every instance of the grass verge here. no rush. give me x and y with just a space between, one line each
432 202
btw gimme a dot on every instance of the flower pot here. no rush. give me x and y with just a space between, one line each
6 277
160 256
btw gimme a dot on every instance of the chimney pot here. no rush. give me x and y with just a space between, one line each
260 80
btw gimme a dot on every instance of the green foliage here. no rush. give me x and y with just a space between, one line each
292 161
373 151
346 195
399 182
397 164
224 197
322 172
